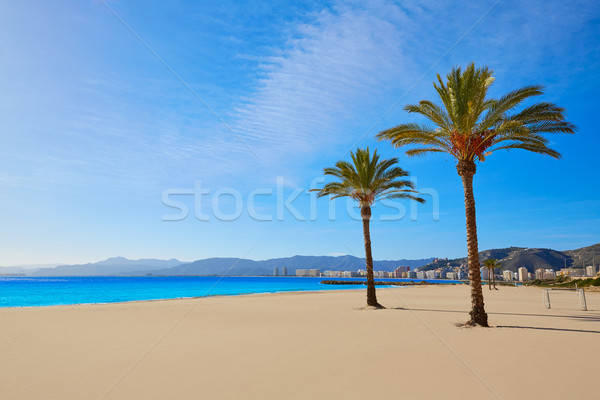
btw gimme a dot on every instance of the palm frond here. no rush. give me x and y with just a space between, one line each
423 150
540 149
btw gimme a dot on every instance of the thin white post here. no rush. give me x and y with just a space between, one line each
582 301
546 298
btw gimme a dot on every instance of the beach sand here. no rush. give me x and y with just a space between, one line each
305 346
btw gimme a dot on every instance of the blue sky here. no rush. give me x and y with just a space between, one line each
107 106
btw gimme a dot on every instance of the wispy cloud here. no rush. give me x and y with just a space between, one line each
318 82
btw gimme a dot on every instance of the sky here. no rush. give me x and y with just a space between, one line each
190 130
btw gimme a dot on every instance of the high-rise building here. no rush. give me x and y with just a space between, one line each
314 272
590 270
284 271
508 275
301 272
452 275
431 274
523 274
275 271
539 273
398 271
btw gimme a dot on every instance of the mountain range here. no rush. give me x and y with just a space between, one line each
111 266
510 258
119 266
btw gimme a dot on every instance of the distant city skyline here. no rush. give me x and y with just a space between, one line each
114 114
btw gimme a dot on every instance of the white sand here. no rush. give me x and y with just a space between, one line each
305 346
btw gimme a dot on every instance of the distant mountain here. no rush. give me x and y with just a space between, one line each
512 258
110 266
24 269
238 266
120 266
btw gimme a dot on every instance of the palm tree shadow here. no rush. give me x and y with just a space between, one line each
546 329
590 317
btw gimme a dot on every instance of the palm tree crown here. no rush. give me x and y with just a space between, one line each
470 126
491 263
368 179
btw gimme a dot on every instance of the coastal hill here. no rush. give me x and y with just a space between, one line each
512 258
585 255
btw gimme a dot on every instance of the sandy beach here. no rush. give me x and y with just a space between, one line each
305 346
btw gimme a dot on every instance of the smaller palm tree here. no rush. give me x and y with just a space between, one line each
367 180
491 264
498 266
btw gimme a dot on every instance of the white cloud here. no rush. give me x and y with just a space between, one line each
318 82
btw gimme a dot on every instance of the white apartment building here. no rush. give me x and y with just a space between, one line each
452 275
539 273
549 274
431 274
523 274
590 270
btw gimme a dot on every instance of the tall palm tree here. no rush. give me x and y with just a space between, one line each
469 125
367 180
491 264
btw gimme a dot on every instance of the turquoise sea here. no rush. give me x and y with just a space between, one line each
28 292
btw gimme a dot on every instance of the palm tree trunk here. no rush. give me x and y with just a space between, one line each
365 213
489 280
466 170
494 277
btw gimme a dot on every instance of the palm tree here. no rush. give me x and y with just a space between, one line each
491 264
497 266
469 125
367 180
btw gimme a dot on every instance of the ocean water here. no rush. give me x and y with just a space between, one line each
28 292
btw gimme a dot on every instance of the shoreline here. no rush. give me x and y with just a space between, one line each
324 287
193 298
